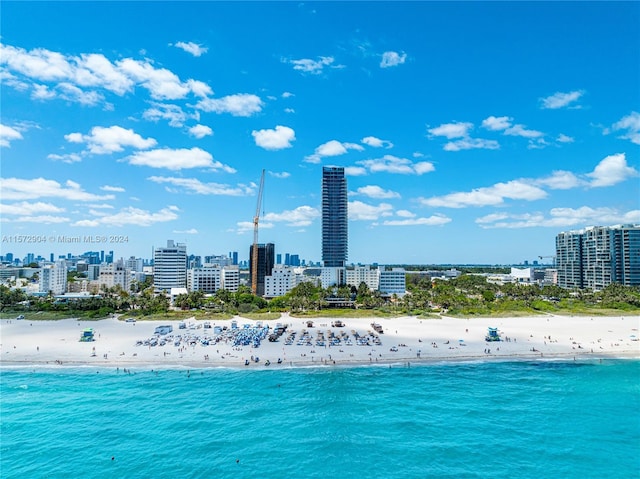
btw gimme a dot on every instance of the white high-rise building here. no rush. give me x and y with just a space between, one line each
392 281
53 278
115 274
363 274
206 279
134 264
230 278
282 280
170 267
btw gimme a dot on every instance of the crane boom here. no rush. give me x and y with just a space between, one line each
254 251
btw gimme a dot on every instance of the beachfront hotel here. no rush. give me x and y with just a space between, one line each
595 257
170 267
334 217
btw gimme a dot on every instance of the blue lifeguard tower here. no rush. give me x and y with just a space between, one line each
492 335
87 335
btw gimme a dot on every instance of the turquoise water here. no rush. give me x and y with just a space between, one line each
484 420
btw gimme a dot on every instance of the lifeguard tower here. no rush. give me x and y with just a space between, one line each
87 335
492 335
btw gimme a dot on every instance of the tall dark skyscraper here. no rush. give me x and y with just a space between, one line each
334 217
266 258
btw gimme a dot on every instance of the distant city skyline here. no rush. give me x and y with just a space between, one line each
469 132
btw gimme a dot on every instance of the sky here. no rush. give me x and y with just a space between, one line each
469 132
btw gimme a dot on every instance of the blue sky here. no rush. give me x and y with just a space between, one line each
470 132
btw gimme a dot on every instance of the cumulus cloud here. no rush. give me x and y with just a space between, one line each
130 216
332 148
20 189
359 211
471 144
559 218
281 175
488 196
200 131
113 139
355 171
564 139
494 123
452 130
393 164
195 49
405 214
629 126
241 104
66 158
314 67
560 180
376 142
612 170
301 216
193 185
191 231
115 189
392 59
174 114
25 208
7 135
435 220
274 139
177 159
561 100
374 191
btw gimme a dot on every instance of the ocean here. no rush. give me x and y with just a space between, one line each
543 419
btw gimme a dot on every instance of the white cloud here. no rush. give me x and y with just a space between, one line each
110 140
561 100
241 104
488 196
130 216
392 59
7 135
193 185
520 130
435 220
560 180
471 144
276 139
405 214
247 226
332 148
359 211
191 231
559 218
282 175
612 170
314 67
355 171
177 159
28 209
564 139
193 48
301 216
494 123
373 191
630 123
289 110
376 142
39 219
19 189
115 189
173 113
162 84
452 130
393 164
200 131
66 158
287 94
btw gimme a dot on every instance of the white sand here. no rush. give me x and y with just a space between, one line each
24 342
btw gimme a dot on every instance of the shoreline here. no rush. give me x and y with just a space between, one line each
404 342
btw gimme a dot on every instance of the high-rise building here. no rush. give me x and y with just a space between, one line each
170 267
53 278
598 256
334 217
266 260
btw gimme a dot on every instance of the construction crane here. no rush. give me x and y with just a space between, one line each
254 251
553 258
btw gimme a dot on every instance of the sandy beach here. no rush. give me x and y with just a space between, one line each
403 340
